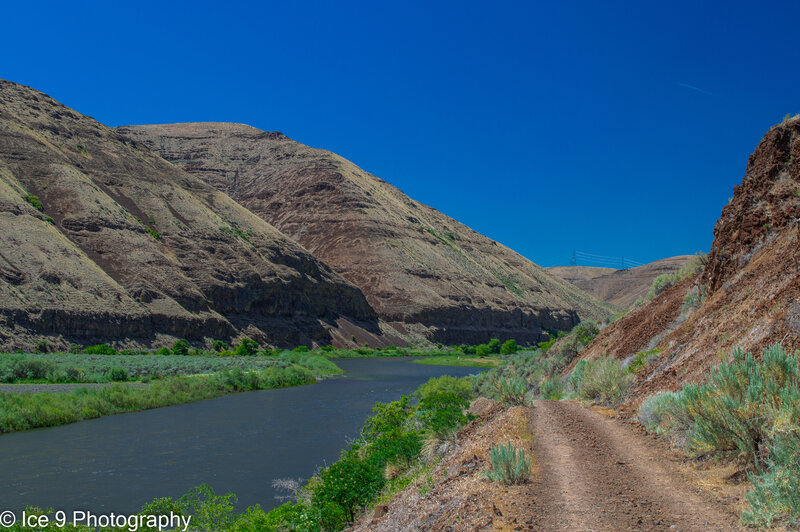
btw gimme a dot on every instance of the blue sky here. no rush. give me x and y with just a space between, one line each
613 128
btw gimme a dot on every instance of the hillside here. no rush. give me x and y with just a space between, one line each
621 288
419 269
113 242
747 294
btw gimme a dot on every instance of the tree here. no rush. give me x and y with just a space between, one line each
509 347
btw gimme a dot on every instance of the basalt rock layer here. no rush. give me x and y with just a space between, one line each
104 240
419 269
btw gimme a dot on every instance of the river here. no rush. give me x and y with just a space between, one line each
238 443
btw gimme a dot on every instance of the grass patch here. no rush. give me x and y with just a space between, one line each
34 201
459 361
27 411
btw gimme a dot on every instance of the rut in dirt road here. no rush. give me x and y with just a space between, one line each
595 473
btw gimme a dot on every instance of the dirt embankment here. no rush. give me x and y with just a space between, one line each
748 294
589 473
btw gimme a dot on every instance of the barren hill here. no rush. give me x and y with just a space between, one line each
748 294
620 288
420 270
104 240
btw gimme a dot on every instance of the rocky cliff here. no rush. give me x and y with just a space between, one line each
748 294
419 269
104 240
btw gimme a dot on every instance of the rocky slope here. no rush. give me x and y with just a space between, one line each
126 245
420 270
621 288
749 292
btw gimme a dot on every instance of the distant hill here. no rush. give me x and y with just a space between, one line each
419 269
620 288
102 240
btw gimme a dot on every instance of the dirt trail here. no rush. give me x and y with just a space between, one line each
595 473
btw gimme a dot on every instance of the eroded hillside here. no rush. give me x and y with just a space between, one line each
748 293
420 270
104 240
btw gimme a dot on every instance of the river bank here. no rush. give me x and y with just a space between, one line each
237 443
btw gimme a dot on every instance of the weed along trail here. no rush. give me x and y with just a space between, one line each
595 473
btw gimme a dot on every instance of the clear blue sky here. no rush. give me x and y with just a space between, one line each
614 128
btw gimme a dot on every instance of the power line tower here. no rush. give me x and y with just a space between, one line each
573 262
623 263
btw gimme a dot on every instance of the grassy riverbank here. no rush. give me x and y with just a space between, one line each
399 444
460 361
22 411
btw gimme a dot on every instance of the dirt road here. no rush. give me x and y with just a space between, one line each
595 473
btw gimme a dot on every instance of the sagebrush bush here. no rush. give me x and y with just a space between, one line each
552 389
509 465
736 409
117 375
694 266
776 491
603 380
511 391
749 410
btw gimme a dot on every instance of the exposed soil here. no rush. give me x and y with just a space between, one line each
590 472
596 473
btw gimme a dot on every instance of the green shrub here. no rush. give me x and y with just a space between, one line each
511 391
461 387
509 465
41 346
247 348
117 375
603 380
552 389
746 409
776 492
509 347
735 409
101 349
493 346
219 346
442 412
300 349
32 369
389 419
181 347
482 350
34 201
643 359
585 332
694 266
349 483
